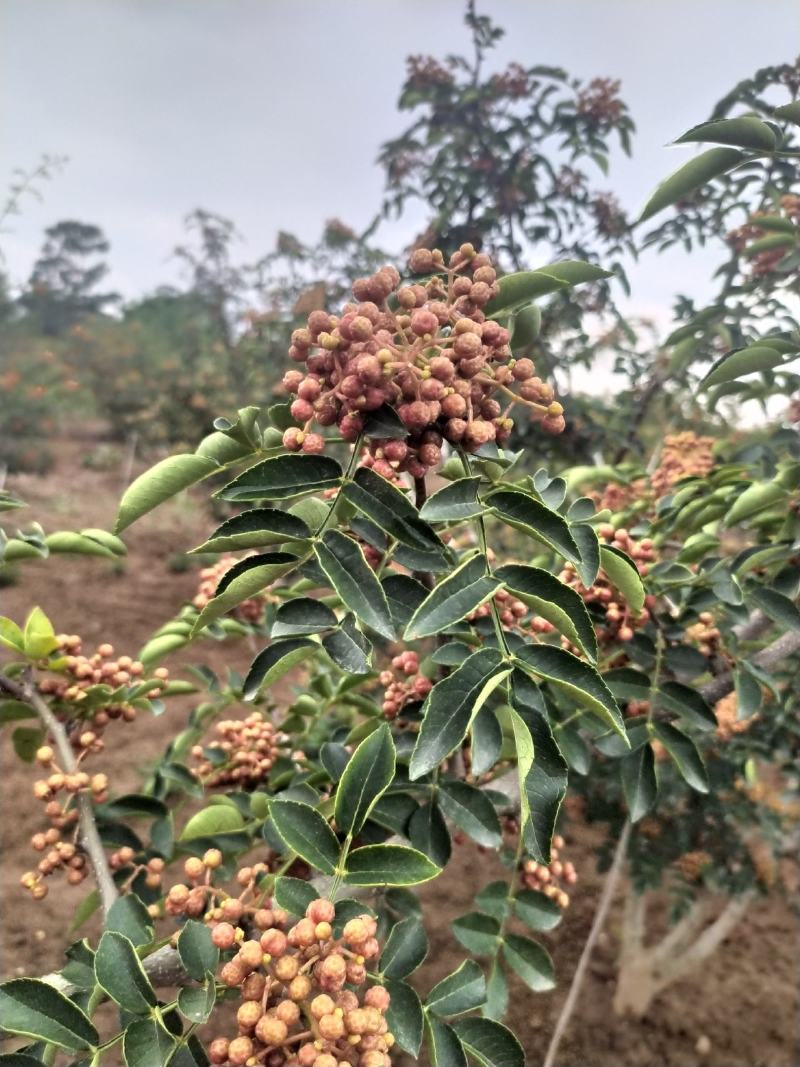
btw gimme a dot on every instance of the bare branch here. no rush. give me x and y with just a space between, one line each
606 897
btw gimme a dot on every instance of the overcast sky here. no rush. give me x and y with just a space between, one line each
271 111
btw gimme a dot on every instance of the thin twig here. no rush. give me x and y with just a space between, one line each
89 837
606 897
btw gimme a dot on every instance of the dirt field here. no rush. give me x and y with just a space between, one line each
745 1001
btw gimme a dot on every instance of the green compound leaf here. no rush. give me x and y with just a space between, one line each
490 1043
274 661
349 649
745 131
691 177
198 953
444 1047
623 573
528 514
303 615
554 601
639 783
537 911
734 365
254 529
32 1008
477 932
196 1003
463 990
391 510
405 1017
283 477
354 581
147 1044
128 916
575 678
684 755
215 819
451 706
366 777
245 579
455 597
389 865
530 961
455 503
119 972
306 832
472 811
405 949
158 484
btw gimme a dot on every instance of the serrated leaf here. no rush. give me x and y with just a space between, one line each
294 894
455 597
536 910
487 741
451 706
391 510
428 832
490 1043
405 949
496 993
348 647
389 865
623 573
554 601
527 514
756 357
744 131
684 755
35 1009
691 177
545 785
574 677
471 811
306 832
477 932
119 972
274 661
777 607
444 1047
588 544
463 990
196 949
245 579
366 777
354 581
254 529
196 1003
639 783
404 595
404 1017
530 961
688 703
216 819
456 502
283 477
147 1044
159 483
128 916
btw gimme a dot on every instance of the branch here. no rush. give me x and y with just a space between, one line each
780 649
672 967
89 837
597 924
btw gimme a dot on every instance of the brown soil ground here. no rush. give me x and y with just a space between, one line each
744 1003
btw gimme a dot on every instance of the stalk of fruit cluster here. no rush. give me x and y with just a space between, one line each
90 838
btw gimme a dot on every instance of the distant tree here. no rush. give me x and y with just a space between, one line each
63 285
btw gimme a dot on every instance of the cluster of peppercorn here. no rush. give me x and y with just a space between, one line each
550 879
69 689
242 754
77 673
600 101
57 792
428 351
251 610
692 864
619 623
295 1010
684 455
403 684
705 634
726 712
